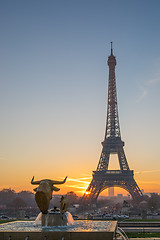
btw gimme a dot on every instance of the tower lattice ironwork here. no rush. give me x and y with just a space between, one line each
112 144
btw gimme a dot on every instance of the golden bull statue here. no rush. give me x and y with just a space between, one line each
44 192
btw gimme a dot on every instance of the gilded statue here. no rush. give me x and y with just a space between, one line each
44 192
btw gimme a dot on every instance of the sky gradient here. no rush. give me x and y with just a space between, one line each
53 89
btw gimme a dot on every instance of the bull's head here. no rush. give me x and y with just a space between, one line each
44 192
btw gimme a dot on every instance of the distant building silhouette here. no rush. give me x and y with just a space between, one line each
111 192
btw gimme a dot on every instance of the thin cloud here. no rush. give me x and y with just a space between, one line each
145 90
75 186
85 178
77 180
149 182
147 171
82 192
153 81
81 179
144 93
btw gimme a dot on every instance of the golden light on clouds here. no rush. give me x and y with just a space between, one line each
80 184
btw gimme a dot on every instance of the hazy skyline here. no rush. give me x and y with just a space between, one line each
54 84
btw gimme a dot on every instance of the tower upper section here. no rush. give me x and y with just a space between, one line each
111 59
112 125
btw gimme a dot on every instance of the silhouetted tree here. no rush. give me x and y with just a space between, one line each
154 201
28 197
7 195
72 197
17 203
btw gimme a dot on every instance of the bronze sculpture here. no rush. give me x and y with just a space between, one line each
63 204
44 192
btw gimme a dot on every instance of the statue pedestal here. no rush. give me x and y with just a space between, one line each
54 219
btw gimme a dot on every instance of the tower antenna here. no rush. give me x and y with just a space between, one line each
111 49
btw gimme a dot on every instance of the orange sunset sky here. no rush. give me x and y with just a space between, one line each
53 91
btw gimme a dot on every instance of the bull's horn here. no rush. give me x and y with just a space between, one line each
35 182
55 188
58 182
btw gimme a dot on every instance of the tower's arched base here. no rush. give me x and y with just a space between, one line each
112 178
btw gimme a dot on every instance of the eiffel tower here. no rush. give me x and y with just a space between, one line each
112 144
